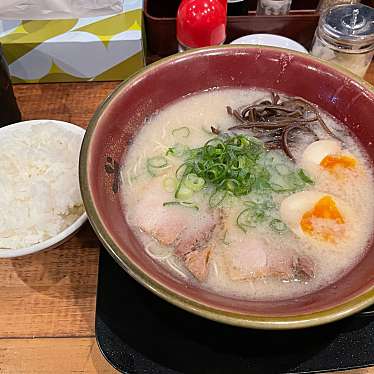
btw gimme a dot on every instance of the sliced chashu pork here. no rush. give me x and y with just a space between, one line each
188 230
252 258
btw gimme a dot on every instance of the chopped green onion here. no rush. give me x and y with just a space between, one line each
282 169
180 172
268 159
193 182
224 240
278 188
259 215
304 177
184 132
268 204
179 185
235 165
216 198
157 162
277 225
295 181
186 204
244 219
231 185
255 213
250 204
169 184
177 151
154 163
183 192
263 205
239 165
216 172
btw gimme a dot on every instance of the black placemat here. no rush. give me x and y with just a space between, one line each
139 333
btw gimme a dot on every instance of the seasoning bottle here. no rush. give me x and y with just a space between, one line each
273 7
9 112
324 5
345 35
201 23
237 7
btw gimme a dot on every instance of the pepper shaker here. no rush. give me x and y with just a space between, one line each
345 35
9 112
326 4
273 7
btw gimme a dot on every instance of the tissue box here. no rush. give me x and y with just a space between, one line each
87 49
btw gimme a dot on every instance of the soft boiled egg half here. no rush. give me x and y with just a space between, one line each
329 156
318 217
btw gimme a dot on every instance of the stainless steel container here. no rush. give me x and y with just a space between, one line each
345 35
326 4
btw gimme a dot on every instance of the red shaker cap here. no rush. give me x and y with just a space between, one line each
224 3
201 23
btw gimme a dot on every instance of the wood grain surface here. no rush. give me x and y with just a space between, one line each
47 300
53 293
52 355
71 102
66 355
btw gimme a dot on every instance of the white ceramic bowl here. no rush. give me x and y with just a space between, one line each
271 40
70 230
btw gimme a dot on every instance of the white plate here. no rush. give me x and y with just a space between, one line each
70 230
271 40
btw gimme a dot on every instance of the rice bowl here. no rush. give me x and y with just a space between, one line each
41 203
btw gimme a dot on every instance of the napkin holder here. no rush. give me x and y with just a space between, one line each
101 48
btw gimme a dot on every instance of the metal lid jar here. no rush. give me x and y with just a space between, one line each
345 35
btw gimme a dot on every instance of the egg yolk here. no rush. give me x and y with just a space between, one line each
324 210
331 162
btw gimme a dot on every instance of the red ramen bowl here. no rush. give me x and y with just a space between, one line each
121 116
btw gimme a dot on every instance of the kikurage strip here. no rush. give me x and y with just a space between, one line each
284 116
315 111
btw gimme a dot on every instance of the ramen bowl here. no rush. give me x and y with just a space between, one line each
120 117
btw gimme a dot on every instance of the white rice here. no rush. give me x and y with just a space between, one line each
39 184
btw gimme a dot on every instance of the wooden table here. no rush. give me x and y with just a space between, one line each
47 300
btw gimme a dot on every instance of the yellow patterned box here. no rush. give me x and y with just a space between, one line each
87 49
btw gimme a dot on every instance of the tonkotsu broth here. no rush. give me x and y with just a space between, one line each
198 113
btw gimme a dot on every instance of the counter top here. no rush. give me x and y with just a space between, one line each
47 300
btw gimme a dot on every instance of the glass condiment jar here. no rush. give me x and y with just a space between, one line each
201 23
273 7
9 112
345 35
326 4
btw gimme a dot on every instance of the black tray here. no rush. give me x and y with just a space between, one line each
138 332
